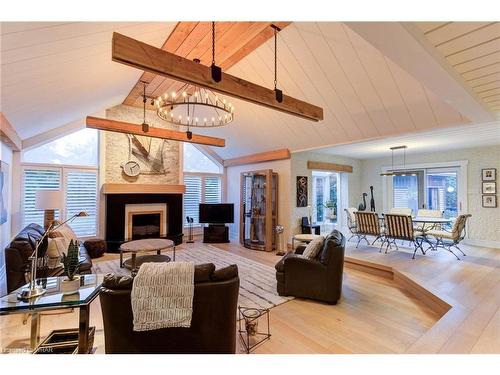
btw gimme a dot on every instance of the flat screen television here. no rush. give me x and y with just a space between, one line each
216 213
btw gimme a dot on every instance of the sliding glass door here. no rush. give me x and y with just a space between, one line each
442 191
433 189
325 194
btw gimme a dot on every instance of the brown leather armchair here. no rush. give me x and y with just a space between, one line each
213 323
320 278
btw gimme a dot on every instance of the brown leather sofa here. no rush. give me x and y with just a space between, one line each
17 258
213 324
320 278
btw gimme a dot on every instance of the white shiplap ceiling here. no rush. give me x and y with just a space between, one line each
364 95
430 141
55 73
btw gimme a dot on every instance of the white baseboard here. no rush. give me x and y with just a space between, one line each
483 243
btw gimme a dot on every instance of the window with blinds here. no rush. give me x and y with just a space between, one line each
200 189
33 180
81 195
79 187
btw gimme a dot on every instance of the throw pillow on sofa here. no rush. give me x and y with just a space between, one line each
313 248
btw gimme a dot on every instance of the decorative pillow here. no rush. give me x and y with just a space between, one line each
57 247
67 233
313 248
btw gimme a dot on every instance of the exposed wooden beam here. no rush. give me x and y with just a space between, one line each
143 56
110 188
128 128
8 134
319 165
261 157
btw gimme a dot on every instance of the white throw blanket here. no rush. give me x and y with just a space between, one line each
162 295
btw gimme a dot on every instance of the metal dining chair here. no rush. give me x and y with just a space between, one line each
447 240
429 213
400 227
368 224
351 222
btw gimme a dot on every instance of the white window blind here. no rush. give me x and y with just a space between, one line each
200 189
213 191
79 187
33 180
81 195
192 197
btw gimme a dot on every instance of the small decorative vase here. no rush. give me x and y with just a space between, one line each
70 286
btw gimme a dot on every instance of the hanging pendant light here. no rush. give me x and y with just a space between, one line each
145 126
277 92
393 171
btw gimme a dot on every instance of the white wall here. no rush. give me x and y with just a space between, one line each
299 168
5 229
282 167
484 227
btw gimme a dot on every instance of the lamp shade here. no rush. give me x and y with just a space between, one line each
48 199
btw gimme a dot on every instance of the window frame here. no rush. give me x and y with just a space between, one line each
63 170
202 192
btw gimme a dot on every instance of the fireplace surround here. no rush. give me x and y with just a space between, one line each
116 215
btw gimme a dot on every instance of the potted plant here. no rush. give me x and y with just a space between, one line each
332 207
71 284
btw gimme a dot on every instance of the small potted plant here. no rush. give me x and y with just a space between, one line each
71 284
332 208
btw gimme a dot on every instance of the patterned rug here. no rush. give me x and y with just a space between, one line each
257 281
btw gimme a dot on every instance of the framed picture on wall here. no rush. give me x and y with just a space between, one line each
489 174
489 201
301 191
489 187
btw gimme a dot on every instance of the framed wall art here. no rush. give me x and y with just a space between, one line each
489 187
489 174
301 191
489 201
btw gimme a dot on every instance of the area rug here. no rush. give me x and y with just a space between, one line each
257 281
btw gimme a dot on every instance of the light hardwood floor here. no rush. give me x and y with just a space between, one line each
375 315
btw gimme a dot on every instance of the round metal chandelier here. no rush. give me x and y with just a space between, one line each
193 106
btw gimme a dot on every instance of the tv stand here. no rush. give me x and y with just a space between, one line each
216 233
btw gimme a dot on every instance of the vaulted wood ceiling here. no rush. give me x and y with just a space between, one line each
473 50
193 40
56 73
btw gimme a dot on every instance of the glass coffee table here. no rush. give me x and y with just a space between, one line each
53 299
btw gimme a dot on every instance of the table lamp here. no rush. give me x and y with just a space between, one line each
48 200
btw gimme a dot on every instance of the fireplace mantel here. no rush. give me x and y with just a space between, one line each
110 188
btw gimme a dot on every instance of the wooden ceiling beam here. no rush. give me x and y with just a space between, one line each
140 55
128 128
260 157
8 134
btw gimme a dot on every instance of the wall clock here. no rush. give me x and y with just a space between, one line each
131 168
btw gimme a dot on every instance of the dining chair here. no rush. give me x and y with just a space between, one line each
429 213
400 211
449 239
368 224
400 227
351 222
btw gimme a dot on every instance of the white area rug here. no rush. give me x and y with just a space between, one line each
257 281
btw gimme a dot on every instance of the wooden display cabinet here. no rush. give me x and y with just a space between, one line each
259 209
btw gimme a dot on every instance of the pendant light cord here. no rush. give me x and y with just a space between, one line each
275 58
213 43
144 103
